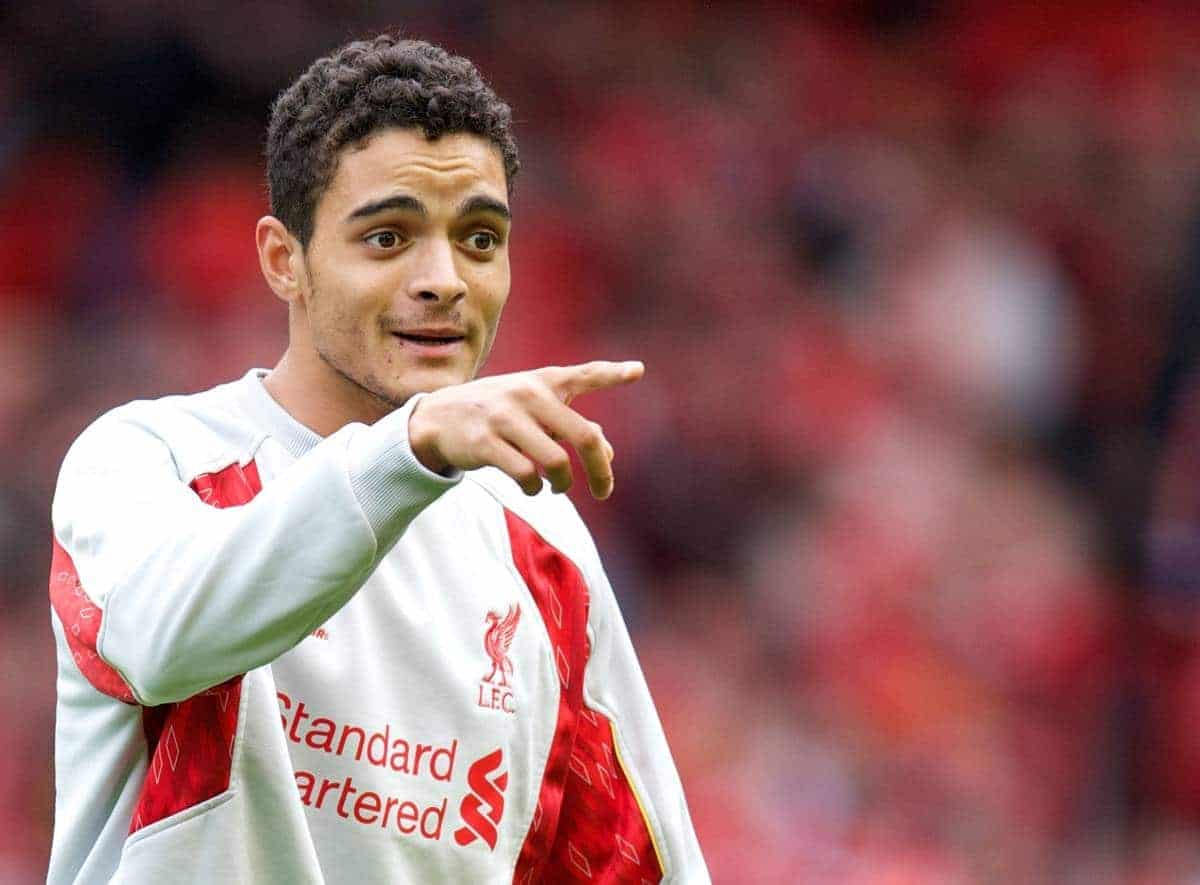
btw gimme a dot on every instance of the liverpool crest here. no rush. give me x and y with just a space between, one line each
496 694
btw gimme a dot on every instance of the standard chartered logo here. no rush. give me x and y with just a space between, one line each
354 798
482 808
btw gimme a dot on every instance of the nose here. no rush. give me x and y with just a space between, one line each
436 277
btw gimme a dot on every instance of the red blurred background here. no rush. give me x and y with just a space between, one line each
907 521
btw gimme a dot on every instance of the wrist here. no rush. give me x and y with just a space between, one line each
422 441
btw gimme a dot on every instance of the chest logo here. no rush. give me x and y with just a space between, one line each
479 823
495 691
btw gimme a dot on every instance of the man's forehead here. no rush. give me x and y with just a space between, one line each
404 159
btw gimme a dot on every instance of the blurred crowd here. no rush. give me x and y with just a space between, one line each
907 513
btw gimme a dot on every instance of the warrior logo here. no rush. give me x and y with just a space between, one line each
497 641
481 824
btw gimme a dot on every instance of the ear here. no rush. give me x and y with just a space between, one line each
281 258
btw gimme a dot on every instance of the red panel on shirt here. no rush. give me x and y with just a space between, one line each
190 746
80 618
229 487
588 825
190 743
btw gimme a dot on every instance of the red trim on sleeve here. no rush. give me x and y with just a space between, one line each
190 744
80 618
588 825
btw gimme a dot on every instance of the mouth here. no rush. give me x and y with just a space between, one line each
431 342
429 339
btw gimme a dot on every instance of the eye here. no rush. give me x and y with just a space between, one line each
383 239
483 241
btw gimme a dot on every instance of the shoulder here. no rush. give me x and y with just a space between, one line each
195 432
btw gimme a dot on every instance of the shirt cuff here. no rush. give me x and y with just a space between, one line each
391 484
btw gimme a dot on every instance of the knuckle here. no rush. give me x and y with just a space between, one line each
534 392
592 436
545 376
500 421
526 392
551 376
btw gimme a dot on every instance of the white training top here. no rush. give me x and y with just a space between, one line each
287 659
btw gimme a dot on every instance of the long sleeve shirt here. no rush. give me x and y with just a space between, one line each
290 659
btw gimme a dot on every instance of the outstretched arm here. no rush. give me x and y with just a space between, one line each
188 595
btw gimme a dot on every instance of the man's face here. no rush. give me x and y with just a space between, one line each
408 262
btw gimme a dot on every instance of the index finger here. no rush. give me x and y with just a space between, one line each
570 381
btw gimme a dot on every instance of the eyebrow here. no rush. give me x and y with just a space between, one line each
398 201
406 203
481 203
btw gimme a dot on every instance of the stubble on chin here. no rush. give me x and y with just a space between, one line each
354 368
364 383
367 384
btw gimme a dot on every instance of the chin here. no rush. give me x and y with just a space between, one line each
423 381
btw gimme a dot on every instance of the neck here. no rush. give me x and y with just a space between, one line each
320 397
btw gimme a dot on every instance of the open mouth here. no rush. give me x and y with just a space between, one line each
430 339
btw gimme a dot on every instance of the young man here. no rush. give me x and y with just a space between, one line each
297 640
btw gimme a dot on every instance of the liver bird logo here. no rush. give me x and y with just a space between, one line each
497 641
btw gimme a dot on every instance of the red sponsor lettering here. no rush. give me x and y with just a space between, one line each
361 743
371 808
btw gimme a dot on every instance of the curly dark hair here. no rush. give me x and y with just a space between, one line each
359 89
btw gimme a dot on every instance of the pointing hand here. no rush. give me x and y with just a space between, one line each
515 422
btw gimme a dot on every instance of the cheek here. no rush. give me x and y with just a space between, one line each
341 333
342 305
493 293
492 308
